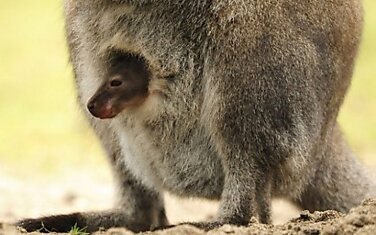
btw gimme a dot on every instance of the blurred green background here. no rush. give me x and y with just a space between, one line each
42 131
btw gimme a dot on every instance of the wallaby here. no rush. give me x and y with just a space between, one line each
235 101
125 85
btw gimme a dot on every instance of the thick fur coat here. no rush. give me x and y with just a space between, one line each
242 106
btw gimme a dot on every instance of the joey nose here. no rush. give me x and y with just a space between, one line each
91 107
100 110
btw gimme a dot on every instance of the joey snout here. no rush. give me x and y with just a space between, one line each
101 106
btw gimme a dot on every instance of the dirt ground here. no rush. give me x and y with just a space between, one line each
359 221
27 198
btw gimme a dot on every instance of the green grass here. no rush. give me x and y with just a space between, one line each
78 231
41 128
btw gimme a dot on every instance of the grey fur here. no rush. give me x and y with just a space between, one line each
243 102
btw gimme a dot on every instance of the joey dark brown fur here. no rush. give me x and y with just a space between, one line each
239 104
126 85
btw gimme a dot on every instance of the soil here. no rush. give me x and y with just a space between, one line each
359 221
26 198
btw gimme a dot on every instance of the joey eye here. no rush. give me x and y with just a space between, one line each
116 83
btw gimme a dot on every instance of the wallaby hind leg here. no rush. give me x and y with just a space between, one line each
138 208
340 181
263 199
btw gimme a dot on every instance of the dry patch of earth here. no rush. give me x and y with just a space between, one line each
23 198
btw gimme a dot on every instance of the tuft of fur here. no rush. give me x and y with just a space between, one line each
243 105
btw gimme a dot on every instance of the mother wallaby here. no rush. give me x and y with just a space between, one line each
240 101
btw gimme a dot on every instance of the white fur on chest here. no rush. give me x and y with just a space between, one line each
138 159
